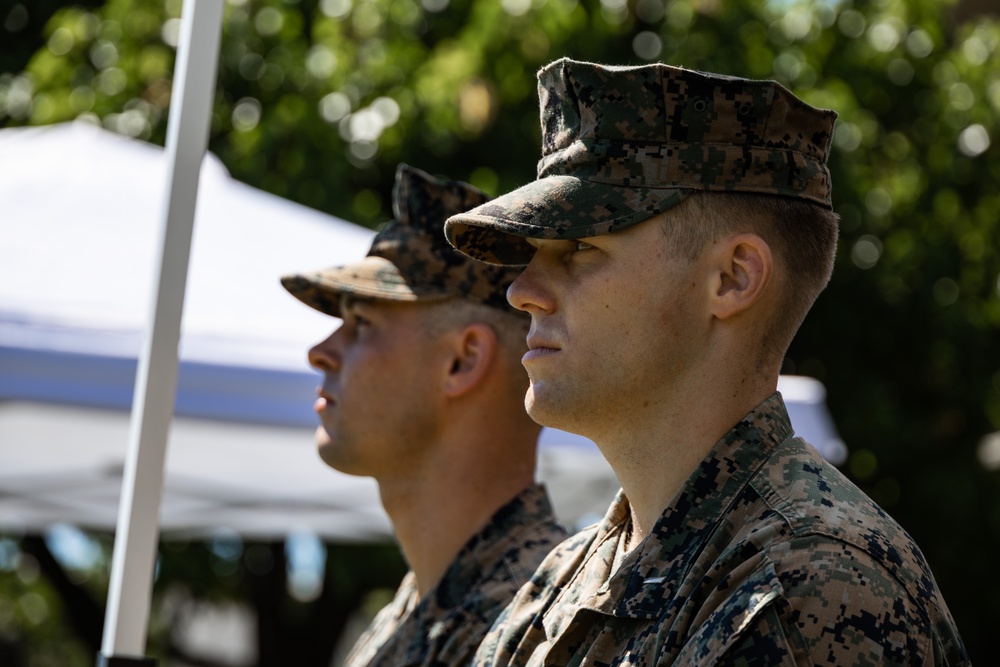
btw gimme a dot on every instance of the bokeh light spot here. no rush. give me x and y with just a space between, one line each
516 7
863 464
170 33
946 291
988 451
884 36
961 97
246 114
334 107
650 11
34 607
103 54
335 9
851 23
647 45
61 42
435 5
974 140
485 179
321 62
268 21
878 201
866 251
367 204
900 71
975 50
919 44
475 105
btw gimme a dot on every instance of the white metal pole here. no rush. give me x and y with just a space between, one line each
137 533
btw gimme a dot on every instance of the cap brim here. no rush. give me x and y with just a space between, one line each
372 277
555 207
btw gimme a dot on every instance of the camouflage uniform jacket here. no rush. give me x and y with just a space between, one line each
766 556
447 624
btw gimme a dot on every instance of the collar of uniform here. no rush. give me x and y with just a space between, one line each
386 623
586 565
646 580
474 562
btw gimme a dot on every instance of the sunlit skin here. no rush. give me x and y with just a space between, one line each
431 416
592 330
645 351
376 401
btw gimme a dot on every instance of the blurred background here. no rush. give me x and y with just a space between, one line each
318 100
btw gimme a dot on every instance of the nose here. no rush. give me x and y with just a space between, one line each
528 292
325 356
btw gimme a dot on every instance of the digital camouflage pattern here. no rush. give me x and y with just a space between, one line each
446 626
766 556
410 260
621 144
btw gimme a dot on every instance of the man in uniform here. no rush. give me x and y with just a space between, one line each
678 232
423 390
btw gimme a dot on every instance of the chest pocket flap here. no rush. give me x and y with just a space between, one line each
747 618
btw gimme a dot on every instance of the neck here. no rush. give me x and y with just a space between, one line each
657 447
430 525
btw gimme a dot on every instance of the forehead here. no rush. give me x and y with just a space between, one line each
404 311
349 301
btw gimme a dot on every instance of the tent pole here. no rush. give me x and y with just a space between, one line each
137 533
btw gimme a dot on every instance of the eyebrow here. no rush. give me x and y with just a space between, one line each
348 302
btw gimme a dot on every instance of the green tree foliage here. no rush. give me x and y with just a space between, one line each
319 99
52 611
36 625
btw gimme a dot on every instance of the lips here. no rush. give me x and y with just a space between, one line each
323 401
536 341
537 353
538 348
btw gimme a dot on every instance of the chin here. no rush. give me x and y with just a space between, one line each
328 454
542 411
554 411
334 458
333 454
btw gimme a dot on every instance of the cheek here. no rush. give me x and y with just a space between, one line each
358 372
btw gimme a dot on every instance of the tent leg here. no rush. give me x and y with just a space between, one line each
134 557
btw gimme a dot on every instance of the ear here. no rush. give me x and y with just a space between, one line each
743 266
473 352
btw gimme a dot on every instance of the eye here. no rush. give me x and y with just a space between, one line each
579 252
357 319
353 317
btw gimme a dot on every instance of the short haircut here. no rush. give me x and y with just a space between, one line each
802 235
510 327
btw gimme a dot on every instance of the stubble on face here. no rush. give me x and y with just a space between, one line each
623 329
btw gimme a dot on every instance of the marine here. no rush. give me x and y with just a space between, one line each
680 228
422 390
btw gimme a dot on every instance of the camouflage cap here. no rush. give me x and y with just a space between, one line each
410 259
622 144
